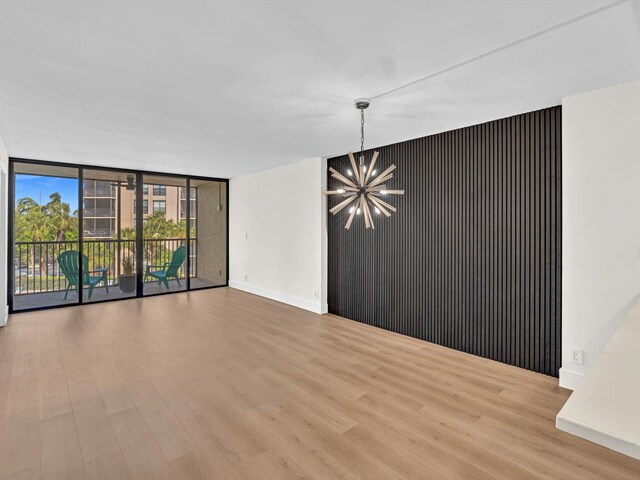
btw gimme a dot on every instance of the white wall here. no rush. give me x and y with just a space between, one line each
4 178
601 220
277 234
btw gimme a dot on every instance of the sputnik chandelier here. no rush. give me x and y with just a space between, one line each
362 187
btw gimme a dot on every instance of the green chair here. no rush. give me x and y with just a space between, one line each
169 269
68 262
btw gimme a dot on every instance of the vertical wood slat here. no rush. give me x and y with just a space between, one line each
472 260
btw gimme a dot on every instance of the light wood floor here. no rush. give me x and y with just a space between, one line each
223 384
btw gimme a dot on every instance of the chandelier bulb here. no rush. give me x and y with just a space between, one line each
341 190
377 210
358 211
383 192
350 173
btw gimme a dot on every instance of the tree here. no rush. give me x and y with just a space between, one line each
60 217
40 223
157 230
35 223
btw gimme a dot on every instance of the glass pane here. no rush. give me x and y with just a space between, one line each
164 235
45 250
208 223
109 235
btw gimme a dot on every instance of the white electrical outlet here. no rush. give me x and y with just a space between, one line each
577 356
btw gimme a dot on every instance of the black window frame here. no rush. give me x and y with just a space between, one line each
139 223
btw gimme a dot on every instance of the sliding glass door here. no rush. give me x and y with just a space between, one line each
109 234
164 234
92 234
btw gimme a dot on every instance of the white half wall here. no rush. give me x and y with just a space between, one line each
601 220
4 205
278 234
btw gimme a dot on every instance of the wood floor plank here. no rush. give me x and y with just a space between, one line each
281 467
113 392
61 458
54 394
100 450
220 384
188 467
172 392
164 425
141 451
29 473
20 442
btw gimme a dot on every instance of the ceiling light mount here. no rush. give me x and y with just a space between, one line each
361 103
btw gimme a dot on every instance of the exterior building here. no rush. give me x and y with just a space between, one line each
100 214
99 209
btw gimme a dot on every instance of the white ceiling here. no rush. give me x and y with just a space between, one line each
227 88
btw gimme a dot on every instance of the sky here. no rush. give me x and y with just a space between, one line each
39 188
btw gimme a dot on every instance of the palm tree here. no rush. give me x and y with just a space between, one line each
32 225
40 223
60 216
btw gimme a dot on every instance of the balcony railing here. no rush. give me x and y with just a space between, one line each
99 212
36 268
99 192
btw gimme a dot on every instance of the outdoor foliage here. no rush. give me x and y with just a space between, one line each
52 221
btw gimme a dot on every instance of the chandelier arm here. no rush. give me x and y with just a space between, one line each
370 208
350 220
342 178
377 188
342 204
380 180
382 175
367 213
371 165
376 203
386 205
356 170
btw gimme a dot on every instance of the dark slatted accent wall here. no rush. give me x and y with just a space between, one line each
472 259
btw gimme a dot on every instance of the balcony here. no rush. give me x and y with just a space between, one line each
105 192
39 282
107 212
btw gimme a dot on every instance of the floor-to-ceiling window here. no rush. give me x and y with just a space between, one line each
208 223
90 234
164 233
109 234
45 251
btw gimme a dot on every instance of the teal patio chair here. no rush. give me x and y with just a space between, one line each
68 262
169 269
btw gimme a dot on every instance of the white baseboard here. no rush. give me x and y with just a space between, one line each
570 379
315 307
5 317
